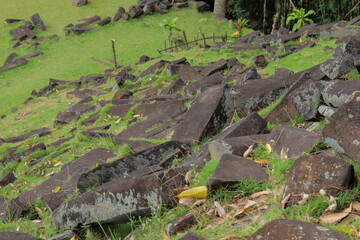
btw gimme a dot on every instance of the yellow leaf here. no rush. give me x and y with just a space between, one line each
57 189
347 230
196 192
263 162
165 236
55 161
96 164
73 238
268 148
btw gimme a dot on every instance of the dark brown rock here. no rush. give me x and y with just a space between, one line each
241 75
198 87
12 20
92 132
66 117
80 3
337 92
65 236
151 70
11 63
38 22
127 166
343 130
116 201
233 169
105 21
119 14
183 5
145 109
214 67
208 113
143 59
259 61
311 173
189 73
19 156
22 32
294 141
290 229
134 11
87 21
202 6
39 132
15 235
174 87
59 142
7 178
180 223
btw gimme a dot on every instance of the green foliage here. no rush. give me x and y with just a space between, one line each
268 109
353 75
300 17
238 24
309 211
206 171
170 24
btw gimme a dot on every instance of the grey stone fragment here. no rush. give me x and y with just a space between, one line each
326 111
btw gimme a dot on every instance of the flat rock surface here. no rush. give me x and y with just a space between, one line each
290 229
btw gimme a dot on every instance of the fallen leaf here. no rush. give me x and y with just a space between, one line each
285 200
57 164
348 230
302 201
233 237
248 151
211 212
199 202
38 210
335 217
73 238
57 189
263 162
188 176
36 221
356 231
215 223
187 201
48 174
234 206
349 219
219 208
196 192
356 206
268 148
283 154
166 237
18 228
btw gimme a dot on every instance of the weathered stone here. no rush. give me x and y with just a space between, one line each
196 88
183 5
166 110
233 169
19 156
189 73
105 21
326 111
51 37
342 61
174 87
65 236
290 229
88 21
81 29
11 209
259 61
250 125
234 145
151 70
38 22
119 14
66 117
22 32
306 87
59 142
80 3
39 132
180 223
214 67
202 6
134 11
116 201
207 114
10 62
337 92
294 141
12 20
143 59
7 178
126 166
343 130
151 92
311 173
283 72
15 235
92 132
145 109
122 94
66 179
241 75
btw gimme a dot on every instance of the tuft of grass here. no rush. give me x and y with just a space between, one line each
205 172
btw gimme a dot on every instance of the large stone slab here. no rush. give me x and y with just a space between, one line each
214 67
250 125
199 86
311 173
19 156
303 98
39 132
66 179
124 167
38 22
233 169
15 235
207 114
180 223
290 229
342 132
292 141
119 200
337 92
342 61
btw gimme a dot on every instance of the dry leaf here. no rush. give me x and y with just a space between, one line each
248 151
233 237
285 200
187 201
302 201
57 164
18 228
234 206
36 221
268 148
356 231
349 219
356 206
38 210
219 208
73 238
335 217
347 230
263 162
56 189
215 223
196 192
247 206
48 174
211 212
199 202
283 154
188 176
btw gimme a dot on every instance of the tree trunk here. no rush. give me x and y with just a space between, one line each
220 8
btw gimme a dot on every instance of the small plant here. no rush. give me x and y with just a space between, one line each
300 16
239 24
170 24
